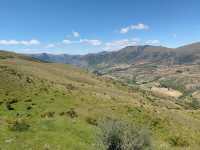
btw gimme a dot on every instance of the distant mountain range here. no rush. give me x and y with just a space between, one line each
188 54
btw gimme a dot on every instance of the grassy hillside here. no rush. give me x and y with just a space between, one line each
58 107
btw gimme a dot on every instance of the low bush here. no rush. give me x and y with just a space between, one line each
172 83
70 87
195 104
9 106
178 141
19 125
72 113
117 135
48 114
91 121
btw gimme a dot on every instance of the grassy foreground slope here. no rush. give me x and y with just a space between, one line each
58 107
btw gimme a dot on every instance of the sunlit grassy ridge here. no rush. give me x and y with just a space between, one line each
56 106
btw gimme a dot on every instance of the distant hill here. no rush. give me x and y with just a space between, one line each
187 54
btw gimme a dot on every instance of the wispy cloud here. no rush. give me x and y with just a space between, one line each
92 42
152 42
22 42
139 26
50 46
75 34
67 42
118 44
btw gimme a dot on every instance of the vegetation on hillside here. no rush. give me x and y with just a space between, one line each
56 106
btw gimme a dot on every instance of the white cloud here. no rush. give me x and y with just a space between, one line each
50 46
139 26
86 41
8 42
16 42
124 30
31 42
116 45
91 42
67 41
75 34
152 42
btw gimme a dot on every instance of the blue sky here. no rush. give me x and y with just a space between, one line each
89 26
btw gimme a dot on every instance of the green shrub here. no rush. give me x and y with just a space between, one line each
178 141
195 104
70 86
117 135
9 106
72 113
172 83
19 125
5 56
91 121
49 114
179 71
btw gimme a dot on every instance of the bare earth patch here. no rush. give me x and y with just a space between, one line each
166 92
196 95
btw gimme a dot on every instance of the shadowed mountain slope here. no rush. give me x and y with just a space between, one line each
188 54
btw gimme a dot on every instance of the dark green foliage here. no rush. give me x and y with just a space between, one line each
171 83
72 113
62 113
5 56
133 81
13 101
98 73
28 100
156 123
29 108
48 115
195 104
29 80
70 87
9 106
91 121
179 71
1 102
118 135
19 125
178 141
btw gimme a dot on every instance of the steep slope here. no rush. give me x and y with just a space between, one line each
57 106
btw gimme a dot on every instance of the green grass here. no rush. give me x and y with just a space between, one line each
42 95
